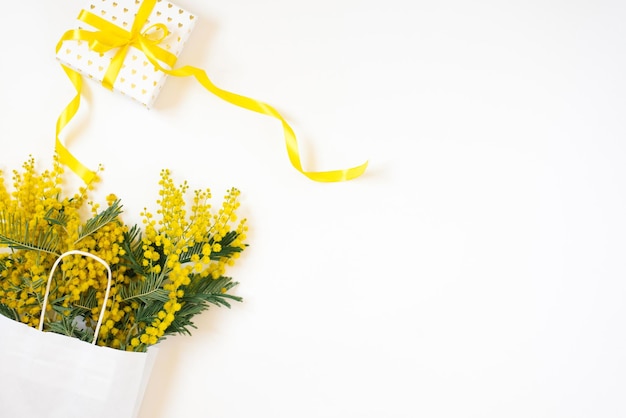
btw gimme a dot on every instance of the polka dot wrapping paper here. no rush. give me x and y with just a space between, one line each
137 78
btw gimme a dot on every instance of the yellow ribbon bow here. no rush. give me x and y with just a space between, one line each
108 36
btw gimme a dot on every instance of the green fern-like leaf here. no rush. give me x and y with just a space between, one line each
69 325
226 252
16 234
148 312
227 249
133 250
88 300
146 290
9 313
56 217
200 294
101 219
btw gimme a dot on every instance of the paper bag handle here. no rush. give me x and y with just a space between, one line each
106 294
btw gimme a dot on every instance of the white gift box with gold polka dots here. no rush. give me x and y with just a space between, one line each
138 78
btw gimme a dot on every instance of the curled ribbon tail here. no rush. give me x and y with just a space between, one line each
260 107
65 156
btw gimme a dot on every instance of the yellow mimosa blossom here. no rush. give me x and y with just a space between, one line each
162 274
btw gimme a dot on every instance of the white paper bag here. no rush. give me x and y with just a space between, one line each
48 375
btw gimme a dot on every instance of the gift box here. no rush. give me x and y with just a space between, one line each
107 34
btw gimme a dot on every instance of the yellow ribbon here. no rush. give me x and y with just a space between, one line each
109 36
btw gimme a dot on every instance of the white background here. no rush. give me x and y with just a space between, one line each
476 270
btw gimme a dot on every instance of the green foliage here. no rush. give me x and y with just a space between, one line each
70 323
87 302
200 294
8 312
146 289
226 251
132 245
101 219
15 232
56 217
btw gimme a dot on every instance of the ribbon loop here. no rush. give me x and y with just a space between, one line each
157 27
